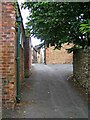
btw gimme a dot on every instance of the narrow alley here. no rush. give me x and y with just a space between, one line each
47 93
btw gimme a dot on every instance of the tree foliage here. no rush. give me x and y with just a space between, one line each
85 27
58 22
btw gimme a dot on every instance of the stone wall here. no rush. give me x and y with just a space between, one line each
58 56
81 66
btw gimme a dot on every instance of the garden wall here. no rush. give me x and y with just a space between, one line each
81 67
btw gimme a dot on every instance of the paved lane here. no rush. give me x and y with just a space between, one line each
48 94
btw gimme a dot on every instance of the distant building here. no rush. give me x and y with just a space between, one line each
38 54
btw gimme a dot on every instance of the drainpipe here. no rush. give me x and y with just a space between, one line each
18 95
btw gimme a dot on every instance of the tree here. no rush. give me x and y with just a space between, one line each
85 27
58 22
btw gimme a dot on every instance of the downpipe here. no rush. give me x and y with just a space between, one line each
18 94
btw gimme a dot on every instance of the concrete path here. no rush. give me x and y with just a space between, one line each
48 94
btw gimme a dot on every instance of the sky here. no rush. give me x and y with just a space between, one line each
25 13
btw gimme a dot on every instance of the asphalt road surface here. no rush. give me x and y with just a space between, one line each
49 94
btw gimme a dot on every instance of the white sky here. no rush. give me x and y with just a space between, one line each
25 13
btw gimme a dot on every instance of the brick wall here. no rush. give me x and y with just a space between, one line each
8 65
21 64
81 67
0 60
8 53
58 56
34 56
27 56
30 55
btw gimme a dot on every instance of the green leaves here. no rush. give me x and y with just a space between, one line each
59 22
85 28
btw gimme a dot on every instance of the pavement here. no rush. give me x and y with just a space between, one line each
47 93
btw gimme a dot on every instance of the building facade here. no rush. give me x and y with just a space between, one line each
12 39
38 54
58 56
27 57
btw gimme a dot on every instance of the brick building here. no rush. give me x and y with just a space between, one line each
27 56
35 52
58 56
12 38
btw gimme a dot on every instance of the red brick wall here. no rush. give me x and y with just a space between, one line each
22 40
8 53
0 60
30 55
21 64
27 57
58 56
8 65
34 56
